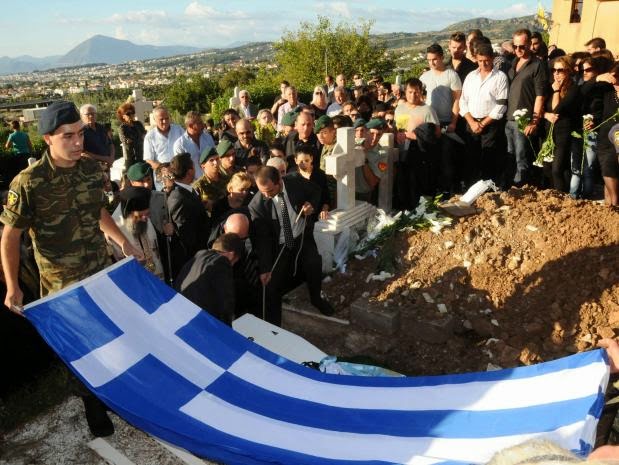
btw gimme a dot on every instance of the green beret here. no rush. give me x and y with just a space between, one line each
359 122
207 153
138 171
323 122
289 118
376 123
57 114
224 146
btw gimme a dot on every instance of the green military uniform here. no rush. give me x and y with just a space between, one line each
210 190
376 159
61 208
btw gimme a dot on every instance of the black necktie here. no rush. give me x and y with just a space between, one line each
288 237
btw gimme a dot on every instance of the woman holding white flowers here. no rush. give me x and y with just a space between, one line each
562 117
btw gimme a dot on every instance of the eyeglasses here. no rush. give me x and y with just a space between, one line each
130 113
558 70
587 70
317 93
89 114
520 47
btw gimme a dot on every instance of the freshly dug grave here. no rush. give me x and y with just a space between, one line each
533 277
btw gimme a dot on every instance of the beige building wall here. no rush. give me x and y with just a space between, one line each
598 18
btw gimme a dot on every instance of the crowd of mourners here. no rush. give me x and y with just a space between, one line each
225 213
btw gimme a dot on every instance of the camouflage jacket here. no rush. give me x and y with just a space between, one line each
210 191
61 208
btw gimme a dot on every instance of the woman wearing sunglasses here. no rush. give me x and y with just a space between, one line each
562 110
319 102
131 133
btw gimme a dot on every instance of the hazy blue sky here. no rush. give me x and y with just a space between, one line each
54 27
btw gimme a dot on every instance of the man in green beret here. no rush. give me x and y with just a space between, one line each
211 186
327 136
369 175
227 159
287 124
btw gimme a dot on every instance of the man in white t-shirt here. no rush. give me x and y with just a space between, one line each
443 87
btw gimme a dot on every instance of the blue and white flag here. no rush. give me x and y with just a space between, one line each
172 370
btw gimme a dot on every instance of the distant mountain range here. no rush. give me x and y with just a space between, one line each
97 49
103 49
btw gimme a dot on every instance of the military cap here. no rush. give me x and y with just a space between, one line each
323 122
209 152
289 118
57 114
138 171
376 123
613 135
359 122
223 147
134 199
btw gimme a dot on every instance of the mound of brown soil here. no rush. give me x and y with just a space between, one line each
533 277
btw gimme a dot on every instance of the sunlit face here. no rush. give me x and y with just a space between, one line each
304 126
244 97
485 63
162 121
535 45
414 95
521 46
304 161
265 118
434 61
230 119
66 144
319 94
89 117
326 136
340 80
211 167
339 96
457 49
291 95
373 136
360 132
227 160
195 128
268 188
245 133
146 182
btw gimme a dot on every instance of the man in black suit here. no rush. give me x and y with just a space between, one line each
191 222
283 239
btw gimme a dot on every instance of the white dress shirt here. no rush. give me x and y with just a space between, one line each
185 144
484 97
158 147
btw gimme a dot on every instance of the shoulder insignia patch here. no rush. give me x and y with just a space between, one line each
12 198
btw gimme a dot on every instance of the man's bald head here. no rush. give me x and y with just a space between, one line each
237 223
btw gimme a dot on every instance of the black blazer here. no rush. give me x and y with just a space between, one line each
191 224
266 228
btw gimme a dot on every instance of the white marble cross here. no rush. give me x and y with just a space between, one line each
341 165
142 106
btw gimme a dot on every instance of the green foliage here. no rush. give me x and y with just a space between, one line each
192 93
305 55
236 77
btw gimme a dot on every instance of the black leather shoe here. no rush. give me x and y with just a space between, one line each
324 306
99 423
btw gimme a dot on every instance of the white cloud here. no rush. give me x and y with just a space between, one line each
340 8
199 10
140 17
119 33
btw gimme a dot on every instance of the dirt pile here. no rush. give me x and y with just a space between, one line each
533 277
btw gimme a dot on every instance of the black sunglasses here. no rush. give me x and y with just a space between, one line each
520 47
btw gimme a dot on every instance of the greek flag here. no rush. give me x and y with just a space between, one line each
170 369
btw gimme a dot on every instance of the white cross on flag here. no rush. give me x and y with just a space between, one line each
173 371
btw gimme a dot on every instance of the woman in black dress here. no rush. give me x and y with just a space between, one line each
607 156
131 133
562 109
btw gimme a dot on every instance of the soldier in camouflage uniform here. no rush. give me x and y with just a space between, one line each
60 201
211 186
